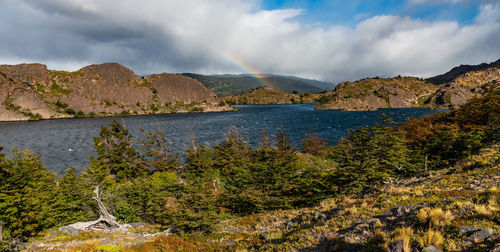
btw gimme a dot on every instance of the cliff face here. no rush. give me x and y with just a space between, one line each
449 90
31 91
269 95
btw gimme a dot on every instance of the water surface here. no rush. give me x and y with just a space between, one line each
69 142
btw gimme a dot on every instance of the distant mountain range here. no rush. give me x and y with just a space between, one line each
228 84
31 91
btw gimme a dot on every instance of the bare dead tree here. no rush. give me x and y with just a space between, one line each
104 215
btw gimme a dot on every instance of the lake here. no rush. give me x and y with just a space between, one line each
69 142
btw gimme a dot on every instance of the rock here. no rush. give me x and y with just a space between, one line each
396 246
137 224
361 227
319 216
171 230
36 244
374 223
230 243
431 249
467 230
70 230
475 234
263 236
481 235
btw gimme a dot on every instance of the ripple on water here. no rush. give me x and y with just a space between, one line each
53 138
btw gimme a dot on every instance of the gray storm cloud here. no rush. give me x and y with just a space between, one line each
214 36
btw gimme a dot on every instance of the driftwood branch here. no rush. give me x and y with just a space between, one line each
106 221
104 215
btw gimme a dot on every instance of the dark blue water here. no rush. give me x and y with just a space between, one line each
69 142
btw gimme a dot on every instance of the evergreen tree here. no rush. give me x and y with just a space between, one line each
115 152
26 193
156 151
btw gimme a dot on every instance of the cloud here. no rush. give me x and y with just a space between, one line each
216 36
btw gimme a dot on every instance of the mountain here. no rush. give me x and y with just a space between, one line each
269 95
449 90
31 91
238 84
461 70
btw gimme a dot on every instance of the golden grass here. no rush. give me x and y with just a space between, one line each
431 238
435 217
405 234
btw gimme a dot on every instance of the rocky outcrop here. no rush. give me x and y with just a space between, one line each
449 90
375 93
31 91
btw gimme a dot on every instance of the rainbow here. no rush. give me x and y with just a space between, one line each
254 73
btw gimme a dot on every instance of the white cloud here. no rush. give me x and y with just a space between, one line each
181 36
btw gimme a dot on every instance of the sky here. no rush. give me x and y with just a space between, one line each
325 40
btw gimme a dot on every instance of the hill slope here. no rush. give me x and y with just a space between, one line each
460 70
237 84
31 91
374 93
460 84
269 95
444 198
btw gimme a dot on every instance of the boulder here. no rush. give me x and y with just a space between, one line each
70 230
172 230
475 234
396 246
431 249
481 235
467 230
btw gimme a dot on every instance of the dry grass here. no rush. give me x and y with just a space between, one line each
435 217
483 210
351 211
405 234
431 238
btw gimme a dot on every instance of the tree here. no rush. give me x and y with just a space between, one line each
369 156
26 193
115 152
73 202
156 151
315 145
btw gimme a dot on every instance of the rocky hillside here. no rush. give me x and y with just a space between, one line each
269 95
31 92
449 90
375 93
451 210
461 70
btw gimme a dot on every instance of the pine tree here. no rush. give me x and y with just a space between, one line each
115 152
